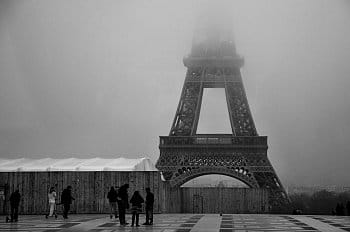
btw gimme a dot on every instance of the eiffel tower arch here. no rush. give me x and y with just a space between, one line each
185 155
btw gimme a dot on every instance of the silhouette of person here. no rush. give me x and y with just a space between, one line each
52 202
348 207
123 203
136 207
149 207
66 200
112 197
15 198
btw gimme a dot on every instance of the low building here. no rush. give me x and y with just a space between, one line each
90 179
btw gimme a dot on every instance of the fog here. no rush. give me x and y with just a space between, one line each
103 78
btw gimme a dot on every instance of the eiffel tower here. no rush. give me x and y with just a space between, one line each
184 154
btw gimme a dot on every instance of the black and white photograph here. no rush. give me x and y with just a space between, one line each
174 116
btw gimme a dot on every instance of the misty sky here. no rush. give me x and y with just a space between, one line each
103 78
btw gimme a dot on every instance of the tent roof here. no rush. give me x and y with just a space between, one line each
76 164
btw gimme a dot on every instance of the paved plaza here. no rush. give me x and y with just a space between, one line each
182 223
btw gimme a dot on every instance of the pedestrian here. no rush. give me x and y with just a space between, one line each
123 203
66 200
136 207
112 197
15 198
52 202
149 207
348 207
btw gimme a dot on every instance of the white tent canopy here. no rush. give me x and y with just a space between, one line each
75 164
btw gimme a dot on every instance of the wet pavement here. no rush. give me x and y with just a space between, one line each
182 223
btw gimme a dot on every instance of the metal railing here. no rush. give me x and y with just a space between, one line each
222 139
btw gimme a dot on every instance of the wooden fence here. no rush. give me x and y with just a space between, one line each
88 188
217 200
90 191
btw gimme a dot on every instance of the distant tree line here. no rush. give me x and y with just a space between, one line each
321 202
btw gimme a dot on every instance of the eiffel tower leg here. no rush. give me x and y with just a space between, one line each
187 114
278 199
240 117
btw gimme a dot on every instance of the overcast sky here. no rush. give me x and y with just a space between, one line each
103 78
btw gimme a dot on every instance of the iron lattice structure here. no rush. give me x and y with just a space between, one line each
184 155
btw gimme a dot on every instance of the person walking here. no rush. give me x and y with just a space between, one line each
123 203
52 202
112 197
66 200
149 207
136 207
15 198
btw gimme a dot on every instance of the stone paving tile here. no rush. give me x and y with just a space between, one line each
181 223
39 223
341 222
262 223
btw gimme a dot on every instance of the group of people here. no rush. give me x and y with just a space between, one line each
66 201
119 199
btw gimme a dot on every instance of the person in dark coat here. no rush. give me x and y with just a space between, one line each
123 203
112 197
15 198
66 200
348 207
136 207
149 207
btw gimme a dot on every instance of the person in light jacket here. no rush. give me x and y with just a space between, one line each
52 202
